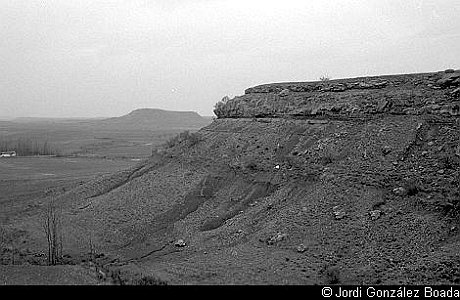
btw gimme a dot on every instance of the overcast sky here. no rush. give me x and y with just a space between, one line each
92 58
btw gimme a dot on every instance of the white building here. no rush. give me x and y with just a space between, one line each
8 154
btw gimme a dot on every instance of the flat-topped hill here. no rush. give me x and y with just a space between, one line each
412 94
150 118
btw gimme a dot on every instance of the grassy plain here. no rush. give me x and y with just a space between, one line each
85 151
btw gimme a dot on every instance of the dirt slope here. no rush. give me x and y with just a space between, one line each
367 197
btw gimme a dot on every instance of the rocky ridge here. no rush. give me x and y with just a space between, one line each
410 94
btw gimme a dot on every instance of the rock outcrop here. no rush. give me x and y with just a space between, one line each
410 94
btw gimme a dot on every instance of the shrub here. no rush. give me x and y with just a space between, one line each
456 198
324 78
448 161
219 107
185 139
328 157
411 188
251 165
332 274
148 280
118 277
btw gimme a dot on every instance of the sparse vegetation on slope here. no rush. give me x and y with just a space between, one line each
184 139
336 197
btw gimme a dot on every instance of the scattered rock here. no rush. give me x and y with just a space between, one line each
180 243
456 92
386 150
301 248
375 214
284 93
431 143
101 274
399 191
339 213
448 79
276 238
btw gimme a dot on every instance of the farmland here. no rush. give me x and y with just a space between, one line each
82 151
83 148
24 181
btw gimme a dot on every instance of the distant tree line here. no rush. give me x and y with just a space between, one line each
28 146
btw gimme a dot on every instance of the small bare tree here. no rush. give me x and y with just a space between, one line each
3 241
53 231
7 243
324 78
92 251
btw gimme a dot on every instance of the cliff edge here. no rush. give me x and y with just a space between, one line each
410 94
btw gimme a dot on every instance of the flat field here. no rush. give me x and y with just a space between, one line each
84 151
25 181
81 139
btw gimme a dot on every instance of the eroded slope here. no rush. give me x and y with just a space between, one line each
302 199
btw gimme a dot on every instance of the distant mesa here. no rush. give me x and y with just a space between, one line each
139 119
152 118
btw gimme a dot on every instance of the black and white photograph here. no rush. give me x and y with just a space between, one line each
310 143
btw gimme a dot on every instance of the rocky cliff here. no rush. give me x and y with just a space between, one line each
412 94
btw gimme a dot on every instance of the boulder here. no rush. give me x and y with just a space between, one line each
301 248
339 213
284 93
276 238
180 243
399 191
375 214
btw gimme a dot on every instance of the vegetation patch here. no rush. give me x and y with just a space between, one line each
184 139
412 187
27 147
331 274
